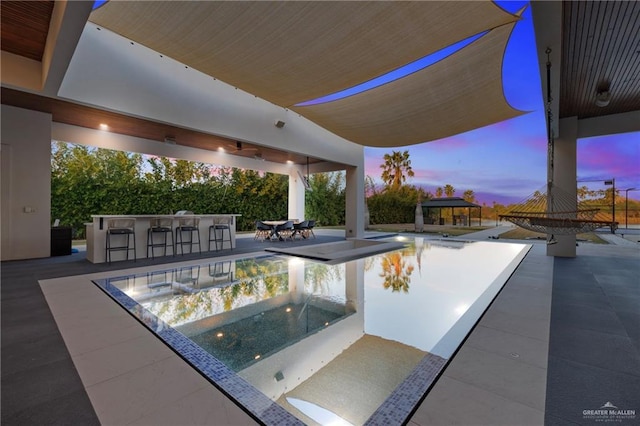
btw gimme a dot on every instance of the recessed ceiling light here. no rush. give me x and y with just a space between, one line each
104 126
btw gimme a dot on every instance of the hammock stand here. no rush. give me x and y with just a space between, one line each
555 212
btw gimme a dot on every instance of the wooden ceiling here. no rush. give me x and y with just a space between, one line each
84 116
25 25
600 51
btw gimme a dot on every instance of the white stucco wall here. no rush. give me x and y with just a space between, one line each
26 184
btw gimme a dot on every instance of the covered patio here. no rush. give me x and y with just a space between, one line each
78 81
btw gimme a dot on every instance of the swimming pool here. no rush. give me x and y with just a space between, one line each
298 341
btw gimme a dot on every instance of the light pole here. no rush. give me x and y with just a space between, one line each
613 202
626 206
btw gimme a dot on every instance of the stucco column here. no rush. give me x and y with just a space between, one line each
296 197
565 182
354 202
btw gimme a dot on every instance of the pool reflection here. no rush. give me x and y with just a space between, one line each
312 325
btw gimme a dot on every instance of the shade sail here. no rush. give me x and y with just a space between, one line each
460 93
288 52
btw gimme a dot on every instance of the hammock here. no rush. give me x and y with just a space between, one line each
556 215
555 212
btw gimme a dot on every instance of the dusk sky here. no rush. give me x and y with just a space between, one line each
506 162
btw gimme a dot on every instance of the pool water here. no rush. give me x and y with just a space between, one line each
244 342
295 340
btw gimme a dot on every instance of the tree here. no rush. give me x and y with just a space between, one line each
369 186
326 201
583 193
395 206
439 192
395 169
449 190
396 272
469 196
86 181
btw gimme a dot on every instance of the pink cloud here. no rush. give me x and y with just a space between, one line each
610 156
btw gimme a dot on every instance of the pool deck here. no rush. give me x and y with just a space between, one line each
541 354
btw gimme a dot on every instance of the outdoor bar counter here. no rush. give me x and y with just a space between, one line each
97 230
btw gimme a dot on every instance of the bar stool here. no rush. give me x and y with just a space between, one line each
188 275
120 227
221 224
221 272
190 225
161 226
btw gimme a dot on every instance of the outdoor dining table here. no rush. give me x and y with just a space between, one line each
273 224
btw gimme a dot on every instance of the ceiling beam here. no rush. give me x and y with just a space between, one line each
66 26
67 22
609 124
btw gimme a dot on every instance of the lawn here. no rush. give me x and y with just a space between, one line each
428 229
523 234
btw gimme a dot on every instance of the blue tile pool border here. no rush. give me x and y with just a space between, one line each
395 410
247 397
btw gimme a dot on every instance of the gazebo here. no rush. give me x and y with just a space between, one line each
452 203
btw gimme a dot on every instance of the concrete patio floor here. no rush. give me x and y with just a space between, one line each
561 338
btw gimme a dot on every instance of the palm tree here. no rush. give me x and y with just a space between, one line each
469 195
396 272
449 190
396 166
439 192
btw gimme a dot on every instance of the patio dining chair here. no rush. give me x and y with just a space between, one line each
285 231
312 224
262 231
301 229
